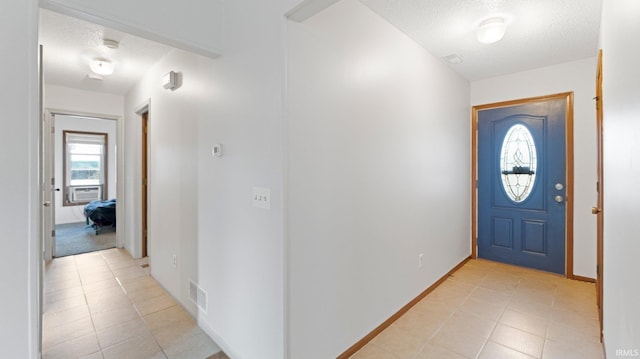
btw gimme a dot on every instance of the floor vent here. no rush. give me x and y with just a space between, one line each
198 296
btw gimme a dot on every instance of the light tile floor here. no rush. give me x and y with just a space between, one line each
105 305
489 310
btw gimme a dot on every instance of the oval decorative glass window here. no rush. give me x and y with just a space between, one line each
518 162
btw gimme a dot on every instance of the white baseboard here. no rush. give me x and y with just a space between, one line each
217 338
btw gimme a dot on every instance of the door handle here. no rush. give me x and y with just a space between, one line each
47 204
595 210
559 199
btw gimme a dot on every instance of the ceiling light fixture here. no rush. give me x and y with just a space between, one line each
491 30
101 66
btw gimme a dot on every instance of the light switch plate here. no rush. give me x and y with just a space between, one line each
262 197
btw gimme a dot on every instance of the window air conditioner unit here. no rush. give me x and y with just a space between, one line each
79 194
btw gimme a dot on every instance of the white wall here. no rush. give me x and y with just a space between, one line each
74 214
620 42
378 172
241 247
83 102
200 207
172 186
21 204
579 77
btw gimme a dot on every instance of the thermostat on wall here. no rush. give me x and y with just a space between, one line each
216 151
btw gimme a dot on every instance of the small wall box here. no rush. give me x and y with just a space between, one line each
216 151
169 81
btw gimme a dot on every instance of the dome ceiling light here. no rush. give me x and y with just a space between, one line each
491 30
101 66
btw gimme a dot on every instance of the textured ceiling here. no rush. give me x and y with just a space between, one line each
540 32
69 44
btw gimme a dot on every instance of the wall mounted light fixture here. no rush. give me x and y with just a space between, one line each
170 80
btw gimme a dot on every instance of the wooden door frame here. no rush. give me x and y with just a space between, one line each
568 97
600 187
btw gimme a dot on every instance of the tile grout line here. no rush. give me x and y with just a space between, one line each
91 314
77 271
93 324
132 305
494 326
82 285
546 331
138 311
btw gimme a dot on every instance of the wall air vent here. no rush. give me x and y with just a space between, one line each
198 296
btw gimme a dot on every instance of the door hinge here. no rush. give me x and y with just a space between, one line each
53 181
53 233
598 186
597 270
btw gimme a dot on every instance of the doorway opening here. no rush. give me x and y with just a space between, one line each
81 164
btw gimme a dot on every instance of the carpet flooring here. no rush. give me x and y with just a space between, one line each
76 238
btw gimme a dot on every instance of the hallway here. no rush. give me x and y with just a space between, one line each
105 305
493 311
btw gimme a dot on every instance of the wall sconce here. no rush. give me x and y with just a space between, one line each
170 80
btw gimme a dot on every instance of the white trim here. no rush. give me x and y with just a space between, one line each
286 243
92 115
49 250
121 223
216 338
35 264
85 13
307 9
143 107
121 218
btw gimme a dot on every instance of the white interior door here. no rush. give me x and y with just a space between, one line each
48 186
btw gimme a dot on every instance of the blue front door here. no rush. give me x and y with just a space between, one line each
521 184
